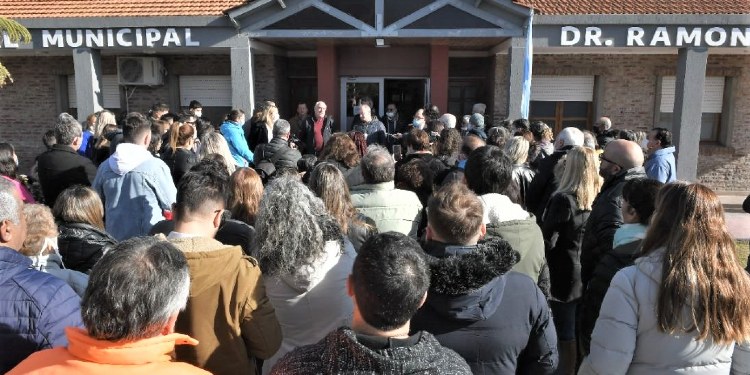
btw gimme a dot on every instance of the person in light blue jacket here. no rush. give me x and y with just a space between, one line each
660 164
136 188
232 130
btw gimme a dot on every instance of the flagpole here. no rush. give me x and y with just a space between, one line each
528 62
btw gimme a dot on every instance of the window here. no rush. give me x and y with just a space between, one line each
213 92
110 92
562 101
713 100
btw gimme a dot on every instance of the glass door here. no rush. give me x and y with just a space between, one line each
353 90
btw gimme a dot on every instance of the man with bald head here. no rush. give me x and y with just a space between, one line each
621 161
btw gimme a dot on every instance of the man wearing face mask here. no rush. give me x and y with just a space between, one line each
621 161
391 119
419 121
196 108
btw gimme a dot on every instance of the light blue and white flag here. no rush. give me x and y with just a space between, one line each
528 61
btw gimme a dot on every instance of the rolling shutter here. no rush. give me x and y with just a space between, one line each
713 95
562 88
211 91
110 92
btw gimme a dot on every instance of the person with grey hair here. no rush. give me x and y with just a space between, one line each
448 120
392 209
476 126
305 260
214 143
134 295
280 151
316 130
544 183
61 166
36 306
517 148
589 140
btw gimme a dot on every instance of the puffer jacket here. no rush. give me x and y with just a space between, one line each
36 307
277 151
523 175
496 319
604 220
392 209
627 338
81 245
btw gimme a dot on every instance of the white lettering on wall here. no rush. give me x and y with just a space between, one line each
660 36
94 38
7 43
569 36
121 37
189 39
69 38
152 35
722 36
592 36
739 37
684 38
635 36
55 39
170 36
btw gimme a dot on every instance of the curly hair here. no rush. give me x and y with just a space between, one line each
450 143
41 225
292 228
342 149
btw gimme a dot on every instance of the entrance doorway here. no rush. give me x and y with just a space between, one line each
408 94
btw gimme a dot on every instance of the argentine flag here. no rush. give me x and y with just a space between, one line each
528 61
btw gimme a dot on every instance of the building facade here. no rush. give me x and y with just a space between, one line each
643 64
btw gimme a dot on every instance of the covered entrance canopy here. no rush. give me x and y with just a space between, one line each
381 38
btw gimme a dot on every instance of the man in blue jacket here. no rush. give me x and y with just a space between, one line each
36 307
135 187
660 164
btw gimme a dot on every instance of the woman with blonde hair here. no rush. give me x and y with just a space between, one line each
40 246
562 226
683 307
517 148
98 149
328 183
245 191
214 143
80 219
261 126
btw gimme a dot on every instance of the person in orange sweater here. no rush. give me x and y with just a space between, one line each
129 310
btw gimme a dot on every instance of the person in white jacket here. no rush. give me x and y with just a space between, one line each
683 307
305 259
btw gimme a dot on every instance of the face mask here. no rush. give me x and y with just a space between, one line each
390 114
198 113
417 123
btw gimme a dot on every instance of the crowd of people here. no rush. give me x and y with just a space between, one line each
443 244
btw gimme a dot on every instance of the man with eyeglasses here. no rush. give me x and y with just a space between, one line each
621 161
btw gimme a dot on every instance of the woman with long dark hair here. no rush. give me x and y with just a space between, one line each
180 157
683 307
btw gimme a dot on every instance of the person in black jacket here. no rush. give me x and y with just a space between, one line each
62 166
544 184
621 161
180 156
562 227
278 151
638 202
80 220
495 318
259 128
316 130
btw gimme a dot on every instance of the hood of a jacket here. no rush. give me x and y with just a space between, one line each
652 265
664 151
341 351
11 263
632 173
308 277
128 157
209 260
467 282
499 208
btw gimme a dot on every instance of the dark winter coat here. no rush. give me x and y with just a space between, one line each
60 168
359 231
611 262
562 227
179 162
36 307
256 133
277 151
543 184
496 319
307 135
604 220
81 245
345 352
522 176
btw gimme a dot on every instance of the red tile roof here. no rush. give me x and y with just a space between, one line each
570 7
113 8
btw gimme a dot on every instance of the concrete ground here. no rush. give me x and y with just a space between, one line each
738 221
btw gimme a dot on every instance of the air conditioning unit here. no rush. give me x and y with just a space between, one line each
140 71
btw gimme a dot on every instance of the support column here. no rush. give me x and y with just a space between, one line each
686 126
243 85
87 63
328 82
516 53
439 76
